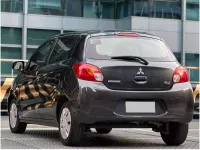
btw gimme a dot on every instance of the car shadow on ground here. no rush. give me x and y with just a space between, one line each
92 139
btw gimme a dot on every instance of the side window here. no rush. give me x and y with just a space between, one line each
40 58
62 50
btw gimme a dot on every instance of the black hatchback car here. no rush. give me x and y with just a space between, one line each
102 80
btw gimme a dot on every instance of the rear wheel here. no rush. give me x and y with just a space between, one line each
15 125
70 130
103 130
176 135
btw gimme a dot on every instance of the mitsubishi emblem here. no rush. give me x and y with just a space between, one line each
140 71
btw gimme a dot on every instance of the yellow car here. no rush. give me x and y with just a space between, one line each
196 88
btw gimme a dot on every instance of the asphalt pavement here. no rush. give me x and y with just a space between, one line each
42 137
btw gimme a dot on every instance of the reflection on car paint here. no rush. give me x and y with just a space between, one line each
46 92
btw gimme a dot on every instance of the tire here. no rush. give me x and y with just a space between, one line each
14 122
177 133
70 131
103 130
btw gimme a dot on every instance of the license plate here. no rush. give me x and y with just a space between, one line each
140 107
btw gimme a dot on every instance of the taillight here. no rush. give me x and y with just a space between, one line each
180 75
88 72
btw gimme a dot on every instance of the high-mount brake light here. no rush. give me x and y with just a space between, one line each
180 75
128 34
88 72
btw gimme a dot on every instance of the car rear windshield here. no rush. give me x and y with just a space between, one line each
105 47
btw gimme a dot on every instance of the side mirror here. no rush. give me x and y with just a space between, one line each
18 65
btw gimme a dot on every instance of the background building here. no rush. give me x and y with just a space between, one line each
27 23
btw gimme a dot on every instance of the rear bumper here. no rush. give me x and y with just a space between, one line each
97 104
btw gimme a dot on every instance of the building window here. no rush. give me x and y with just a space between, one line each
56 7
178 57
141 8
46 7
90 9
11 35
170 9
192 10
6 67
30 52
192 60
120 10
15 6
72 7
98 9
107 9
38 36
123 8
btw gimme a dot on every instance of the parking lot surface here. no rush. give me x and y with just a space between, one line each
42 137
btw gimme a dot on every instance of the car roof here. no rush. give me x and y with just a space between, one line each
93 33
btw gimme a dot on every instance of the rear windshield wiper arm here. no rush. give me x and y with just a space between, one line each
139 59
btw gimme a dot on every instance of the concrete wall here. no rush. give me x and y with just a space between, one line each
35 21
123 24
11 20
192 34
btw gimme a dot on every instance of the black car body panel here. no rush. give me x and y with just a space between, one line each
40 93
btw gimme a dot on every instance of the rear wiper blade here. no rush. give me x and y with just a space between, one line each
139 59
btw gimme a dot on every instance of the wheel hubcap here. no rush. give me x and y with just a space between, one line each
13 115
65 123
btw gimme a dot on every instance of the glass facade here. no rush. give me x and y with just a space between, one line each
56 7
78 8
73 8
38 36
192 60
11 35
170 9
123 9
99 9
192 10
141 8
90 9
15 6
107 9
6 67
47 7
30 51
178 57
